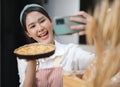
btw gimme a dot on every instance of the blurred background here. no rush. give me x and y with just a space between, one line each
13 37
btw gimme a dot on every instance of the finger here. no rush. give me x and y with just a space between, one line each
78 19
28 60
78 27
81 33
84 14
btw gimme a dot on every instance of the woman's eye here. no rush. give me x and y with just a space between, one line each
32 26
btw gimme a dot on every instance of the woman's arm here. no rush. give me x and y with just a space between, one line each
75 59
29 80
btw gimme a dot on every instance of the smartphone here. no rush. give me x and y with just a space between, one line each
62 25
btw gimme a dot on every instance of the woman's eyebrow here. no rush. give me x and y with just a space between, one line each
40 18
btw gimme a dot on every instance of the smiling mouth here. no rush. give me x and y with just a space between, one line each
42 35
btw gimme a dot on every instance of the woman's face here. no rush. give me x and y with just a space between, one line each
39 27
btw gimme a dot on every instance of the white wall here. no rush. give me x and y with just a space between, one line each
62 7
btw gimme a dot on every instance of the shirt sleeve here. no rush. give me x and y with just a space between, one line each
75 59
22 64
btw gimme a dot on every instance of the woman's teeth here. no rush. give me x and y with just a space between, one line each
43 34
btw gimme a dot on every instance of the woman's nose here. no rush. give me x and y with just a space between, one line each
40 28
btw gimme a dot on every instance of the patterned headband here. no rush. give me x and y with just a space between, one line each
27 7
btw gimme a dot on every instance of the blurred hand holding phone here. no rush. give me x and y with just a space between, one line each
62 25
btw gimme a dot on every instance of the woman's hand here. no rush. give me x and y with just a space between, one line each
83 18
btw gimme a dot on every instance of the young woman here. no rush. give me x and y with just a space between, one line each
70 58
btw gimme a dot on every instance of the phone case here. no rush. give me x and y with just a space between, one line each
62 25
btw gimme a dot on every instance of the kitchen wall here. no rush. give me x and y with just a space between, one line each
61 7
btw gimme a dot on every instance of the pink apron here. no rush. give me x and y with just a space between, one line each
49 77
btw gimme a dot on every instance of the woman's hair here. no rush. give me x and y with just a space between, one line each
104 29
29 8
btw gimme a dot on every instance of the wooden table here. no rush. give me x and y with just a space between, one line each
70 81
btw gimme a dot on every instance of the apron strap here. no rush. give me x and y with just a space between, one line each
37 65
57 61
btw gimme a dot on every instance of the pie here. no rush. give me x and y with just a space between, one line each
34 49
